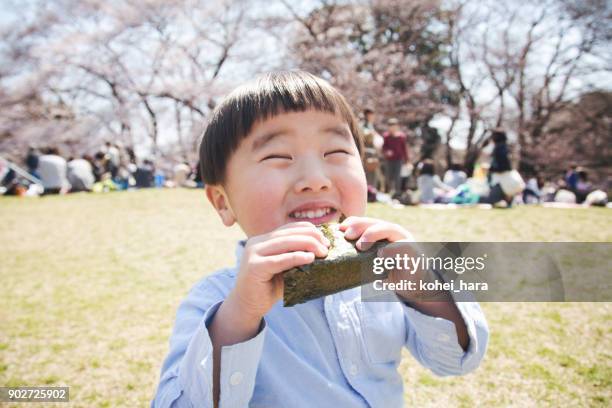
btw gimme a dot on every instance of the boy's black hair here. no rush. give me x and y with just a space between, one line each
267 96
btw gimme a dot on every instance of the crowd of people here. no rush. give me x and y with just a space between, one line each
112 168
392 173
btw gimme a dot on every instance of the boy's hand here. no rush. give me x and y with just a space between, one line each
367 231
259 283
370 230
439 304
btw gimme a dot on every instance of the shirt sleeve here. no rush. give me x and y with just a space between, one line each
433 340
187 373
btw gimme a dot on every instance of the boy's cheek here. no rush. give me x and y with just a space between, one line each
356 191
355 208
257 204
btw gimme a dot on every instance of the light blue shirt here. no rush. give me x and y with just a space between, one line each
335 351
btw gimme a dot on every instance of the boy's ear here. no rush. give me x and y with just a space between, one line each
218 198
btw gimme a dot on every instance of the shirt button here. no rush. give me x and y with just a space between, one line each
353 369
444 337
236 378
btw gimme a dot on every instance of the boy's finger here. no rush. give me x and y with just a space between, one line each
354 220
307 229
302 230
279 263
296 224
382 231
280 245
354 230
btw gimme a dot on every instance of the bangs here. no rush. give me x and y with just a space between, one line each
269 95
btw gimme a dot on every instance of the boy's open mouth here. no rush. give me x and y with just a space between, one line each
318 215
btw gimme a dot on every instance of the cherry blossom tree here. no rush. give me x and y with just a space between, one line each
516 64
385 54
132 71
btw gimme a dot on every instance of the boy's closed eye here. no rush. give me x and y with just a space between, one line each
337 151
281 156
277 156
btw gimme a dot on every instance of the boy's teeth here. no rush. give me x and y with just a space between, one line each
312 213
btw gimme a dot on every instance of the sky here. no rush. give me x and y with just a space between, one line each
271 47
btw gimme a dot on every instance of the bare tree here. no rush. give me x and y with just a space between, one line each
525 62
579 133
132 73
80 72
386 54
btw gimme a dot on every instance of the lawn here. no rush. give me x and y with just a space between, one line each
91 284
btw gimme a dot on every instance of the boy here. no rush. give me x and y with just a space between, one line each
279 156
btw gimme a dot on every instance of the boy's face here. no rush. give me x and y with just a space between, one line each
298 166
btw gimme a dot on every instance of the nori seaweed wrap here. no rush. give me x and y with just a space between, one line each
341 269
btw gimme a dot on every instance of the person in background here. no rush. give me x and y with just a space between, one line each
548 191
113 158
198 176
431 188
99 165
532 193
131 166
368 119
131 155
571 177
597 198
181 171
500 163
455 176
583 186
371 159
52 169
368 125
565 196
80 175
374 141
145 175
8 181
31 160
122 178
159 178
395 152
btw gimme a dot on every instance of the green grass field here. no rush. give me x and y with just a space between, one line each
91 284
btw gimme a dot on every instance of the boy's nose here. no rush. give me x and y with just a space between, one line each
312 178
